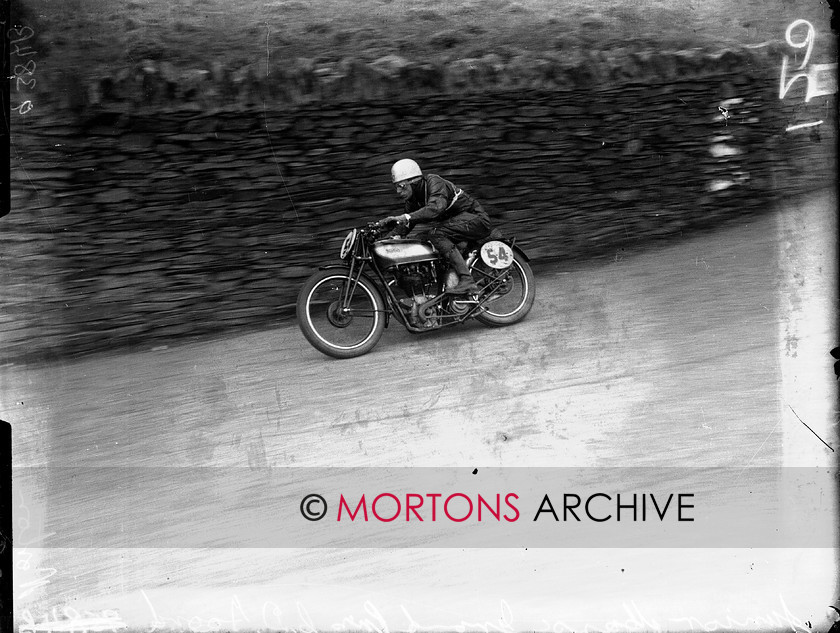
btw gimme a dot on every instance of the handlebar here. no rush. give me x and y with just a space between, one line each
374 229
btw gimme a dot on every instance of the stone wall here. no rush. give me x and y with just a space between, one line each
157 204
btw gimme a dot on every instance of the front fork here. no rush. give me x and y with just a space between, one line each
356 269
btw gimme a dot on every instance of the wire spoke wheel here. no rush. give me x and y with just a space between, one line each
512 292
339 316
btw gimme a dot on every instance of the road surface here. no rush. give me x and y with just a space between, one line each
708 353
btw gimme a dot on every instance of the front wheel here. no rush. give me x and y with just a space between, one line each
512 292
340 316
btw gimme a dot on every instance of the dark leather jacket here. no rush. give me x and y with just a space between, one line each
435 199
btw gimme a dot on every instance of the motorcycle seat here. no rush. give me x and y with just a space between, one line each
495 234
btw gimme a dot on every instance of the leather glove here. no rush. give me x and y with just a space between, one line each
396 219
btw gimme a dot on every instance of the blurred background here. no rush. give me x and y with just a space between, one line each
180 168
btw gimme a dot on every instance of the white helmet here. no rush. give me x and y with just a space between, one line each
405 169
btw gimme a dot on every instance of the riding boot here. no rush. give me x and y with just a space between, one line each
466 283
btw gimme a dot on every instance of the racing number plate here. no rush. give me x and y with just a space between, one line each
349 241
497 254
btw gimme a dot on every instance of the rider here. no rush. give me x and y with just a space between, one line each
448 214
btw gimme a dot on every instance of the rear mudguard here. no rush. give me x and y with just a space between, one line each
519 251
510 241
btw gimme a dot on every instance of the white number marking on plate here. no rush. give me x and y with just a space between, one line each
348 243
497 254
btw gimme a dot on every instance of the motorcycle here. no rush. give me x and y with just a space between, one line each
343 309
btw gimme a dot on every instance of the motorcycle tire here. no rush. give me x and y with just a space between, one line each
331 330
515 297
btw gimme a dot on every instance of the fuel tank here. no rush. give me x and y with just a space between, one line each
393 252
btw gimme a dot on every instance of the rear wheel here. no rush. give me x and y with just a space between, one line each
512 291
340 316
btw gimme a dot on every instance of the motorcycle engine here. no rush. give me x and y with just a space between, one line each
417 280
